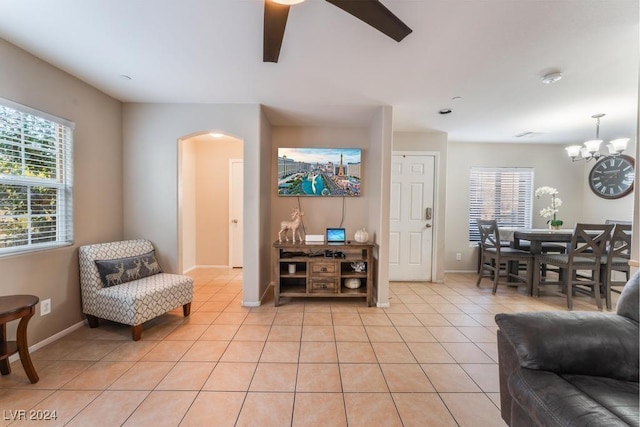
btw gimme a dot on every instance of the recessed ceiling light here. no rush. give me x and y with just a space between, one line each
445 111
456 98
288 2
216 134
124 77
551 77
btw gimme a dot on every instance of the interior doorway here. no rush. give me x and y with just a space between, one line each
411 216
204 200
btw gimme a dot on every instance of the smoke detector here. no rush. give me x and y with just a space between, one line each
551 78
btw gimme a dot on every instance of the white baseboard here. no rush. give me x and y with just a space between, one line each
251 303
49 340
383 304
461 271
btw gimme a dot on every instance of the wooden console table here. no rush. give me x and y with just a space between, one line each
323 270
15 307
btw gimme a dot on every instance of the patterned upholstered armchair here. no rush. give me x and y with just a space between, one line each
122 282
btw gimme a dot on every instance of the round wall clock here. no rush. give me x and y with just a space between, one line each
612 178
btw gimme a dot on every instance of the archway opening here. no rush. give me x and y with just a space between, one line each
209 222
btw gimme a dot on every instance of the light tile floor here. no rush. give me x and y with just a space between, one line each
428 360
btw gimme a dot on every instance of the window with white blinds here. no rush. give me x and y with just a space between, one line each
503 194
36 179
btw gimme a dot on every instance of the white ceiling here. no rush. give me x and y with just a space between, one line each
334 69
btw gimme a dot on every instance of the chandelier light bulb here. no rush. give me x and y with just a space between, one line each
618 145
573 151
593 145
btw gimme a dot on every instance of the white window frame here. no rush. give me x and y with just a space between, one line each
504 194
62 182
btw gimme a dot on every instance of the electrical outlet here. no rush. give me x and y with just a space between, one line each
45 307
458 256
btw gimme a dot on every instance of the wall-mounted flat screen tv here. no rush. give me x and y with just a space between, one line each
320 172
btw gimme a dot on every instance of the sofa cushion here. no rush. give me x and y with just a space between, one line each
582 343
549 399
628 303
140 300
123 270
619 397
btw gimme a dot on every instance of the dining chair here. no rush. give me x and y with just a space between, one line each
503 244
496 258
547 247
617 221
588 244
616 258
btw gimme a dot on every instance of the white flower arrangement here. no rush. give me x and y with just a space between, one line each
552 210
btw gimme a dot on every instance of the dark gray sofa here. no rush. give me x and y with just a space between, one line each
571 368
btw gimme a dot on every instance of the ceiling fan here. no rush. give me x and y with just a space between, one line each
371 12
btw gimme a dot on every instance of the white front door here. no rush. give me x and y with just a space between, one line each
235 212
411 218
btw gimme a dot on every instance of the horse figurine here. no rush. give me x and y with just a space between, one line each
293 225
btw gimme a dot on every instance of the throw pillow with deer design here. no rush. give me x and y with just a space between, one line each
122 270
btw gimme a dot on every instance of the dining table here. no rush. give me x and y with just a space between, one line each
538 236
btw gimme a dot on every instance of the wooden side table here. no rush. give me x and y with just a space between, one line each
13 307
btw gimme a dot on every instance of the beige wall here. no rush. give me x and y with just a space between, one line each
552 168
212 201
205 201
150 168
370 210
379 173
187 205
264 216
126 183
97 184
321 213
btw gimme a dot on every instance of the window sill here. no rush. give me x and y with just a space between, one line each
8 252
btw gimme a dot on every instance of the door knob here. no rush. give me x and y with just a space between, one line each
427 226
235 221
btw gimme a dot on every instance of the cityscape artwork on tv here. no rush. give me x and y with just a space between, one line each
320 172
